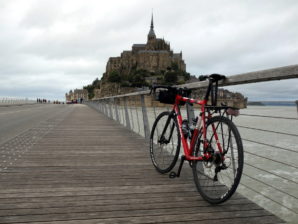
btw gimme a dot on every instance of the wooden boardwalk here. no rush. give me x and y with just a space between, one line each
89 169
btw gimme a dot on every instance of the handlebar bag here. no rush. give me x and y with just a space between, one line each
167 96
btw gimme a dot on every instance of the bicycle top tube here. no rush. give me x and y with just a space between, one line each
190 100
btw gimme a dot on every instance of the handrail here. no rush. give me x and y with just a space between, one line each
6 101
256 115
280 73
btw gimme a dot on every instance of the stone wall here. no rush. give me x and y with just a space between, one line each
112 89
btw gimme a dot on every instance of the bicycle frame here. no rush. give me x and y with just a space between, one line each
199 130
209 141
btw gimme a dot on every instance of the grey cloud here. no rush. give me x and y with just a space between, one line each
66 44
50 85
42 14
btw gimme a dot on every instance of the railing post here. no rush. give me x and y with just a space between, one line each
116 110
137 113
123 113
297 105
132 120
110 108
145 118
126 113
97 105
102 107
105 108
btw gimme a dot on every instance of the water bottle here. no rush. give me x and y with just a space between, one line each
185 128
192 127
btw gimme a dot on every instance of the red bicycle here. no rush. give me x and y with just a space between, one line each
211 144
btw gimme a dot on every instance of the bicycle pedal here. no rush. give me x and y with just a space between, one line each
172 175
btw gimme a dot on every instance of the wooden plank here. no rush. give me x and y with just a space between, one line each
238 220
160 207
121 199
143 216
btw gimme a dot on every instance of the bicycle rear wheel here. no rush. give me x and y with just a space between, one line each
164 142
218 177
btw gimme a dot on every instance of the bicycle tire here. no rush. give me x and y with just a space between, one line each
218 188
164 155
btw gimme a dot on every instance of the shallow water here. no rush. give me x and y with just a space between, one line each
271 168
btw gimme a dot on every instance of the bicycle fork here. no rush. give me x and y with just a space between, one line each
162 137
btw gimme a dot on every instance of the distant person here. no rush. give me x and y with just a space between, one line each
81 100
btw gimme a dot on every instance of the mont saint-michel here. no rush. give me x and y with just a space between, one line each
144 64
155 56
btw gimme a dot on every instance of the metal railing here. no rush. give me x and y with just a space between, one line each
6 101
269 135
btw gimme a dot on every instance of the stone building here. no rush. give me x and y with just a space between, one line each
155 56
224 97
77 94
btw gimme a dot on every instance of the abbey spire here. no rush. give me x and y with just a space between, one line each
151 34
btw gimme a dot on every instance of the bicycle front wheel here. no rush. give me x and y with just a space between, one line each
218 177
164 142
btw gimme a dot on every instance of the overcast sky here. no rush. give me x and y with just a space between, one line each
48 47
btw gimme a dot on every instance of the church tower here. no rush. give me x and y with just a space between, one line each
151 34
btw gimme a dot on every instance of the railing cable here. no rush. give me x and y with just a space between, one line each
273 146
274 174
276 132
255 115
259 192
290 165
257 180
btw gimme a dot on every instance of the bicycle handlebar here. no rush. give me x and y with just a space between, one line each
212 78
203 77
154 87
